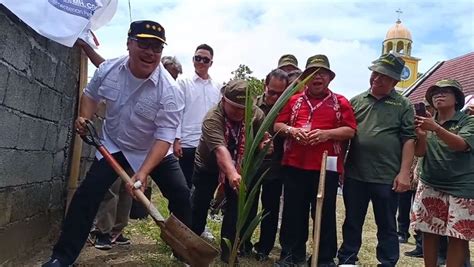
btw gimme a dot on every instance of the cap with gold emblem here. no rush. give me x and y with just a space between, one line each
390 65
288 60
147 29
318 61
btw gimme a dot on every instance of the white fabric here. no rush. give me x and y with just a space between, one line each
199 97
135 117
62 20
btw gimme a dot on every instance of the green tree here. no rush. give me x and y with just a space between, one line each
245 73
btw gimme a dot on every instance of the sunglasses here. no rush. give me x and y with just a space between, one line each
204 60
156 47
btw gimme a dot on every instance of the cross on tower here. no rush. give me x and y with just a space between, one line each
399 11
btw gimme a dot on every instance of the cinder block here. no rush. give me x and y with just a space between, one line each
4 72
40 167
10 126
66 81
22 94
63 137
58 193
30 200
58 164
51 138
32 133
16 47
49 104
43 66
23 234
5 206
12 165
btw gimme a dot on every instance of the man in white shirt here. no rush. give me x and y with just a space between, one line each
201 93
143 109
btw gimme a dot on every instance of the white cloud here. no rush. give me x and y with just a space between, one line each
257 33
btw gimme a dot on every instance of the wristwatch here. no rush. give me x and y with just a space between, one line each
288 130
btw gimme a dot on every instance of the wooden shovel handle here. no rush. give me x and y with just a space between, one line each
319 210
154 213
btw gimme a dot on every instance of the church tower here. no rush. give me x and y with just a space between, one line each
398 40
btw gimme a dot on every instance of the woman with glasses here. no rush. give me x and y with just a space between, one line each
444 201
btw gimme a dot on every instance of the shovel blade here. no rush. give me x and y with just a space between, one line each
186 244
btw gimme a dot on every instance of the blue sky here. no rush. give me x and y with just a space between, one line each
257 33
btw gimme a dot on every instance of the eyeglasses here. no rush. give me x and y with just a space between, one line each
271 92
156 47
204 60
442 91
322 73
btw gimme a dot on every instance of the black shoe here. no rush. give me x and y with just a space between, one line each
54 263
121 240
416 253
102 241
402 239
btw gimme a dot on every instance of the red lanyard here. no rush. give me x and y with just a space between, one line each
313 109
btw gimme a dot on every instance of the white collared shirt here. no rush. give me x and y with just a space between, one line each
135 117
199 97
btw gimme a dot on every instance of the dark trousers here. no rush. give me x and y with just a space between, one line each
403 217
271 192
357 195
300 188
205 184
186 162
85 202
229 222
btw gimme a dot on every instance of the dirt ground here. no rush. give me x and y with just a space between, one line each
147 249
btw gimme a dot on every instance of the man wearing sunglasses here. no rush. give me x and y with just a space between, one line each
275 84
143 108
201 93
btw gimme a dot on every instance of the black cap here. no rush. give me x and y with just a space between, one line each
147 29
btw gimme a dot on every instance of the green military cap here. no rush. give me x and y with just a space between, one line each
447 83
390 65
288 60
318 61
147 29
235 92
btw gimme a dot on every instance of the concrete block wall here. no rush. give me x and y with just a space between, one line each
39 82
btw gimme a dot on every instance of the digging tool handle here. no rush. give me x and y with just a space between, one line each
319 210
92 139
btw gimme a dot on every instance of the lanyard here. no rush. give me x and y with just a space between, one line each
313 109
235 135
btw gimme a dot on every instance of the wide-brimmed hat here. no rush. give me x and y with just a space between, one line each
235 92
147 29
390 65
317 61
288 60
447 83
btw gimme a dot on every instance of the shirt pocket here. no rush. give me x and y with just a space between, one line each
109 93
146 109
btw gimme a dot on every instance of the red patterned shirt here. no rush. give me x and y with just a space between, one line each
324 117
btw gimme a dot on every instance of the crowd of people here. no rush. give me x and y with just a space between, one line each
188 134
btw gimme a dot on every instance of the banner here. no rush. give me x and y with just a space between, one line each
62 20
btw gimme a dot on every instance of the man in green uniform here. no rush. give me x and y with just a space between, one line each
275 84
379 161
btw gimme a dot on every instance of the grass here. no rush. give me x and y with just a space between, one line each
161 256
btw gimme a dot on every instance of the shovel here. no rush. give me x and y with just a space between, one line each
184 242
319 211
